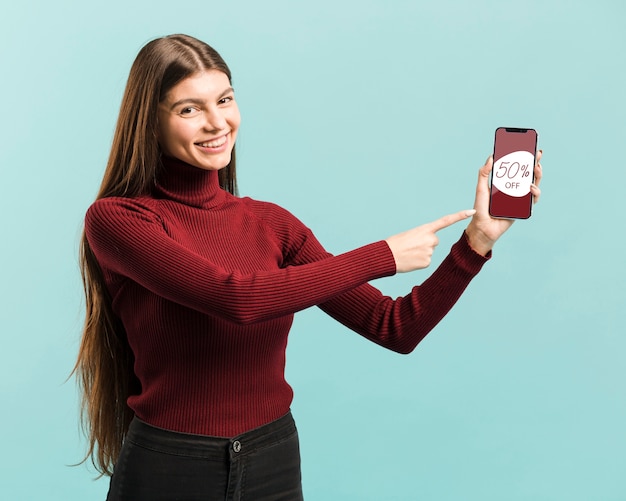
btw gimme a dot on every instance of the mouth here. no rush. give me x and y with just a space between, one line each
216 143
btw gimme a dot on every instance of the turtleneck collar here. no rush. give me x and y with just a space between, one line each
188 185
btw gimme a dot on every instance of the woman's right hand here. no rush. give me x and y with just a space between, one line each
413 249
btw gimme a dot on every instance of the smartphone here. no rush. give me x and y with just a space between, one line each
514 152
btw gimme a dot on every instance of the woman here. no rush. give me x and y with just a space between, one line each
191 293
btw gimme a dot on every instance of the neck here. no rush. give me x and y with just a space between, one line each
188 185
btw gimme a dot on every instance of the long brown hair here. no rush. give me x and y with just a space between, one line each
104 367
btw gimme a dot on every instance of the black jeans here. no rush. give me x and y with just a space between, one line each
161 465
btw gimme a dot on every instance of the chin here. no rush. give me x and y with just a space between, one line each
213 166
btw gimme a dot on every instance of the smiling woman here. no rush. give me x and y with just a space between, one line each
191 291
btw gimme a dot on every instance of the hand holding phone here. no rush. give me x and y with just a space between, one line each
484 230
513 172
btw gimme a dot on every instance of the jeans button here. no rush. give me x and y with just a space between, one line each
236 446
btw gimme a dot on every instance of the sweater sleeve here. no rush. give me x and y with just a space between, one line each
400 324
128 238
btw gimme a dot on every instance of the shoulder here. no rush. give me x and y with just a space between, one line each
113 206
269 211
263 208
292 234
113 212
275 216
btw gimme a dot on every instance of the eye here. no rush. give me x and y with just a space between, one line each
225 100
189 111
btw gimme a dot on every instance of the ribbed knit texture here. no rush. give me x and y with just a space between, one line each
206 285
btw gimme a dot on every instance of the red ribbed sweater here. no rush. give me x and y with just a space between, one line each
206 285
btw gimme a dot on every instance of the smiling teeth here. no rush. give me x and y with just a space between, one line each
214 144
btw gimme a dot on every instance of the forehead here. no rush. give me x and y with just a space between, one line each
205 84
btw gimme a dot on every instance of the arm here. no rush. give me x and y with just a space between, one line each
402 323
399 324
128 239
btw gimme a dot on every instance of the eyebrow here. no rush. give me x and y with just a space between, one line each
194 100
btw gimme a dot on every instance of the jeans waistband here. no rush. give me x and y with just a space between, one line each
204 446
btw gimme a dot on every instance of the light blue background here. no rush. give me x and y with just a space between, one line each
364 118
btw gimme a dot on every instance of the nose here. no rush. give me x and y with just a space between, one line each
215 120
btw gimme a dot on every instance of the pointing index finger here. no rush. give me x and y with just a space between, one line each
450 219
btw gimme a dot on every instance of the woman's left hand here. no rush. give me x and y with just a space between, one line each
484 230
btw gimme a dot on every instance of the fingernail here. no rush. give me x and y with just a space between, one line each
470 212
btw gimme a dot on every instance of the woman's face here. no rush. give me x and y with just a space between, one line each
198 121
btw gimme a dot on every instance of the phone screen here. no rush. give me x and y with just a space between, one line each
513 172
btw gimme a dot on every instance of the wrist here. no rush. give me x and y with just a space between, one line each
478 241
